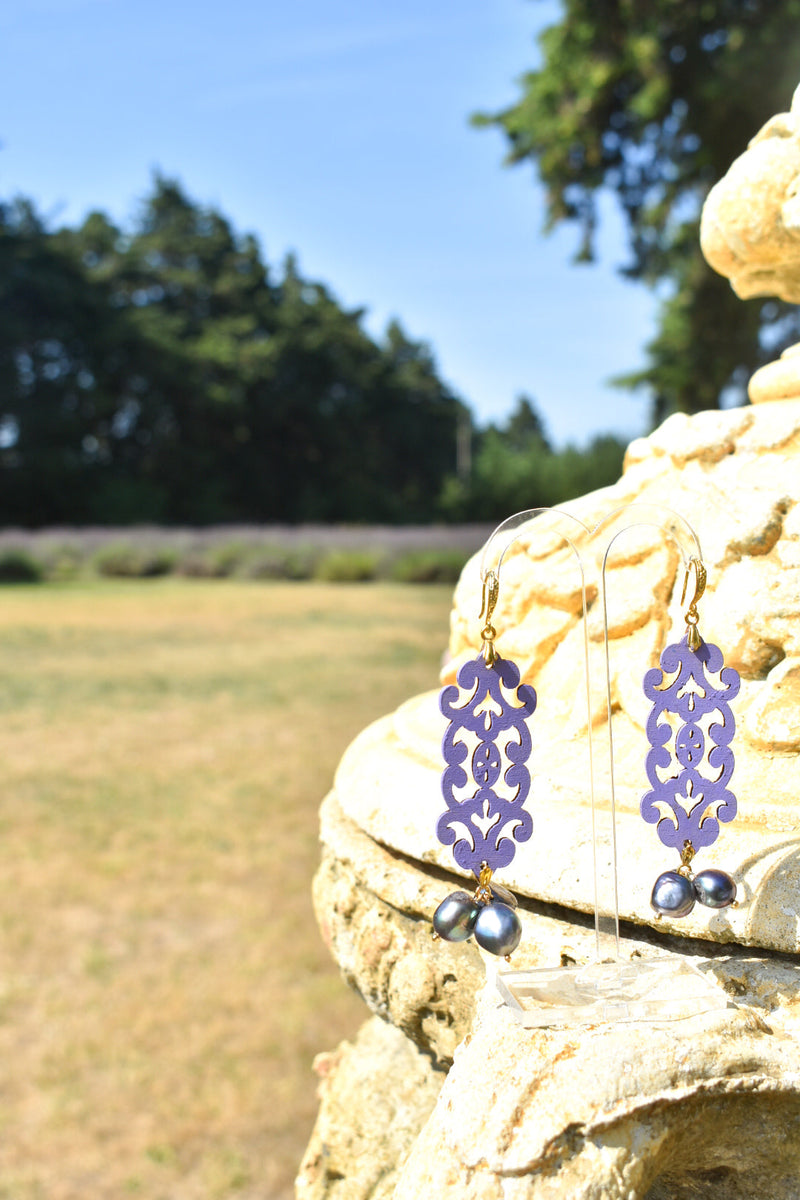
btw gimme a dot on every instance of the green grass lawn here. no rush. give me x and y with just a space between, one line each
164 747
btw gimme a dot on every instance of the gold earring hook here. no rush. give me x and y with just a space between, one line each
693 639
491 590
700 576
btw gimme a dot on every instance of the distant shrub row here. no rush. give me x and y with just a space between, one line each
136 560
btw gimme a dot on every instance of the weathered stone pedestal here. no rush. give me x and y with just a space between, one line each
449 1097
443 1095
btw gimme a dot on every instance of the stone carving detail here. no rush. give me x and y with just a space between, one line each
490 818
697 801
750 233
750 229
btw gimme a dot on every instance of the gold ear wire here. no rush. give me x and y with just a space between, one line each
491 590
693 639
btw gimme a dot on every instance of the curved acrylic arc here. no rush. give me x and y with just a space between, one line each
571 530
678 530
574 531
671 524
565 525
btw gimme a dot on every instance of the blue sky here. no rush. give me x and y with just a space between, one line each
338 129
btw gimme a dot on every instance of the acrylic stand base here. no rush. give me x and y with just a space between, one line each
656 989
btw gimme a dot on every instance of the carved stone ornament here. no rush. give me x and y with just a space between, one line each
750 233
750 229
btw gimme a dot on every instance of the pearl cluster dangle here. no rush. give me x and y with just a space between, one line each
676 892
489 915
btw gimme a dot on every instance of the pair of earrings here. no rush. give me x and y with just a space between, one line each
697 795
490 729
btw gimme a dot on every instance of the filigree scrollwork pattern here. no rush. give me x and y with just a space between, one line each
697 794
492 821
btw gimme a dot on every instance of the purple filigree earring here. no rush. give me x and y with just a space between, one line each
486 807
687 804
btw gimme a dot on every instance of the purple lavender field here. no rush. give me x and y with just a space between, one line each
331 553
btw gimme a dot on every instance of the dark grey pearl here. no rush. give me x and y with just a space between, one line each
673 895
714 888
498 929
454 919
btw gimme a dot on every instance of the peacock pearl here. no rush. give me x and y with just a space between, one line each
673 895
498 929
714 888
454 919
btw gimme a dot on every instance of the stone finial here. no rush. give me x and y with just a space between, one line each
750 229
750 233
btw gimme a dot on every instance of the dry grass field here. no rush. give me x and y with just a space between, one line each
164 746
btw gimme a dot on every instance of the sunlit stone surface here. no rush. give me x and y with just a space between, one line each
706 1108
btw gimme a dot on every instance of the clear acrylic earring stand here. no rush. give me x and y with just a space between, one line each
554 528
663 988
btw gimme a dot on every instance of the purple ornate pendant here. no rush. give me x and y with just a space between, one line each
485 784
490 819
689 767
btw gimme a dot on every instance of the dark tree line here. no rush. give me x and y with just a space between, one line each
163 373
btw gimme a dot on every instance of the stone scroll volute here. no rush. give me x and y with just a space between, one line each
750 233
